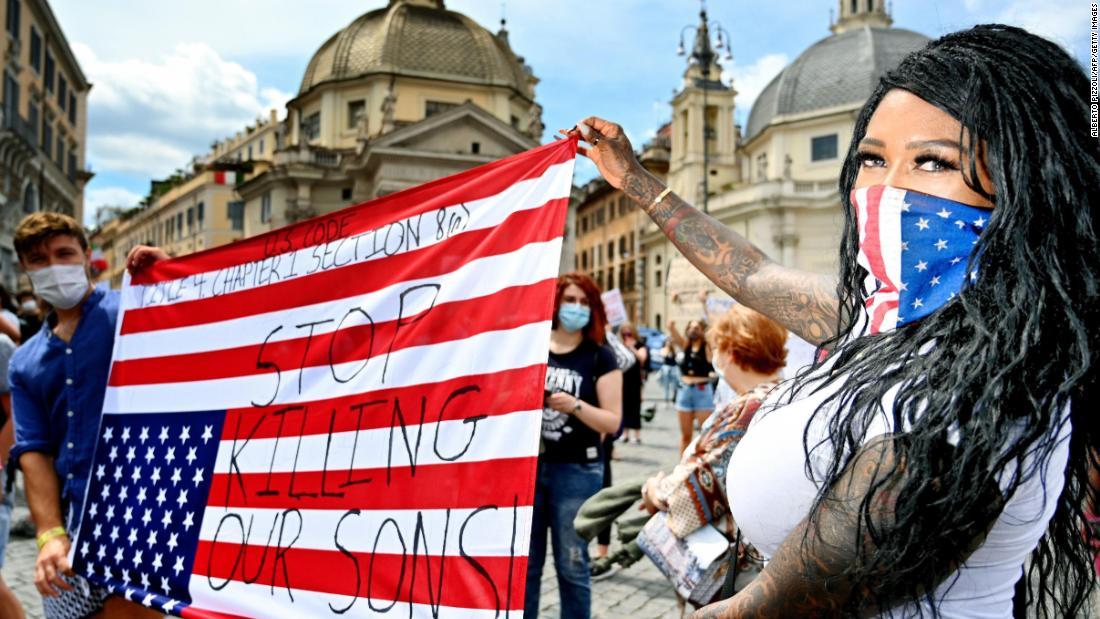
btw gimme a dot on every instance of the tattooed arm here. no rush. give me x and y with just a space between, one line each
805 303
811 574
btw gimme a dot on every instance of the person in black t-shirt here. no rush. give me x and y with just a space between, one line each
695 398
583 400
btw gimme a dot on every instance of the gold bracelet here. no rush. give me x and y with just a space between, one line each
44 537
661 196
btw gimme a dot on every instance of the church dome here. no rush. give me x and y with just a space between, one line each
418 38
840 69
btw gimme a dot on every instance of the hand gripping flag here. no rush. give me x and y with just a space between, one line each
340 417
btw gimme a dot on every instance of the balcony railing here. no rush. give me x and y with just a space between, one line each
13 122
321 158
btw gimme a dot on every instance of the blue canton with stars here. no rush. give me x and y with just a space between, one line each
937 237
149 480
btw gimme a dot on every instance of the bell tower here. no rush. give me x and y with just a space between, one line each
858 13
700 166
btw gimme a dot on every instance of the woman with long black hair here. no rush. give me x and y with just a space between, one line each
947 436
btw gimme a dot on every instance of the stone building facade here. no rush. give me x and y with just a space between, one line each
43 123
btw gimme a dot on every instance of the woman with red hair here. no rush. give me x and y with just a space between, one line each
583 400
750 351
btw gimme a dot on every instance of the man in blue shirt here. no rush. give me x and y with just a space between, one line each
58 379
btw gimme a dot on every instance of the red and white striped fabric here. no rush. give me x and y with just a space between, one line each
341 417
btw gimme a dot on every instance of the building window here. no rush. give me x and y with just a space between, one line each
761 166
30 199
261 146
584 260
60 152
431 108
622 247
610 250
72 109
62 91
236 215
72 163
47 136
11 99
265 207
356 110
200 213
823 147
36 50
13 18
48 75
250 152
311 126
190 221
475 147
657 278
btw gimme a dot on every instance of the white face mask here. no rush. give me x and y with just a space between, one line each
61 285
30 306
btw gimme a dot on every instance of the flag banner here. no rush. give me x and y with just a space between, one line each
340 417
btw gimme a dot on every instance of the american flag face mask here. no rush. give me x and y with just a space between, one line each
915 248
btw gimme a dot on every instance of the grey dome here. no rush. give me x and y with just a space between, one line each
842 68
418 41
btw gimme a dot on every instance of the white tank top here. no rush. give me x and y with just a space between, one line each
770 493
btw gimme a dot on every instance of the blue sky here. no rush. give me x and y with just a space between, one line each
170 78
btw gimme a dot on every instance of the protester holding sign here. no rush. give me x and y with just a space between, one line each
58 378
583 400
917 468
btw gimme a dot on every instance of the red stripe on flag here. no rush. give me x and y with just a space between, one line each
474 184
518 230
454 485
467 581
191 612
872 244
445 322
486 394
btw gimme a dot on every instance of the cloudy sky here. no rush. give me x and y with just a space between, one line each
170 78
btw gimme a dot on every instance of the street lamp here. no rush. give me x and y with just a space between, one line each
703 55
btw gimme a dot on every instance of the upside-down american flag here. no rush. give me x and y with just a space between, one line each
340 417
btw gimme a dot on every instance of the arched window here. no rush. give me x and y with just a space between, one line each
855 6
30 199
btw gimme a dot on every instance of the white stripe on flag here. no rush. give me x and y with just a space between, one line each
487 536
498 436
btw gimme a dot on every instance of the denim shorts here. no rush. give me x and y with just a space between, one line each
695 397
5 524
